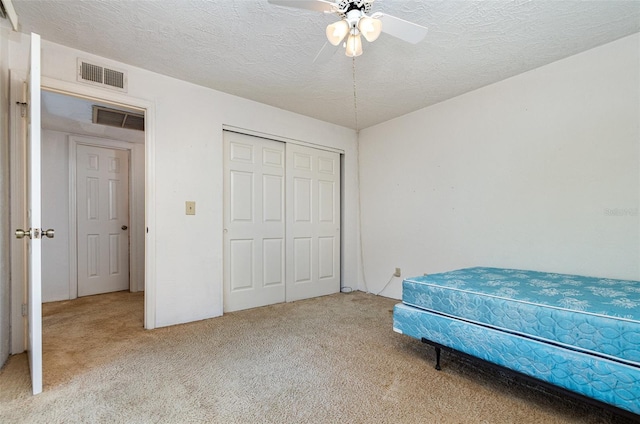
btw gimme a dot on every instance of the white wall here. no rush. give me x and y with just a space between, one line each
539 171
188 166
55 213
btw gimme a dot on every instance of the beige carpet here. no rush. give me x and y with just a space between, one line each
333 359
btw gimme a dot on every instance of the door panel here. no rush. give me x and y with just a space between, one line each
273 187
254 190
326 197
242 264
326 257
313 222
242 196
102 192
302 194
273 261
302 251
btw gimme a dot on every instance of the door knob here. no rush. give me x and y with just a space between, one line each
35 233
22 233
124 227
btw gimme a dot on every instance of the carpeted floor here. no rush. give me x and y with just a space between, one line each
333 359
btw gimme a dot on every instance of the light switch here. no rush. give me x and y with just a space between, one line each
191 207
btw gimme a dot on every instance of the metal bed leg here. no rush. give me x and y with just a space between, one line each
437 346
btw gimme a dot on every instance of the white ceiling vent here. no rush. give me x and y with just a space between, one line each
101 76
118 118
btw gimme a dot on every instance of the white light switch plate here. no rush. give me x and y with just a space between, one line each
191 207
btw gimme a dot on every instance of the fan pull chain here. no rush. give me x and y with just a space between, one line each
355 94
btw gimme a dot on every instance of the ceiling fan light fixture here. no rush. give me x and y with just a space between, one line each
354 46
337 31
370 28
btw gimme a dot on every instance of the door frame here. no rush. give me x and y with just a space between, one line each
18 207
148 108
74 141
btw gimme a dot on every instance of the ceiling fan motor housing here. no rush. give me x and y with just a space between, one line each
353 17
346 6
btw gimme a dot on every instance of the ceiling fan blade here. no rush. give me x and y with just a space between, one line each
326 52
315 5
399 28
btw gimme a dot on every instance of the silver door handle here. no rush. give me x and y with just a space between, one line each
22 233
35 233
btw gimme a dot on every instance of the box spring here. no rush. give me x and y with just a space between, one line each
613 382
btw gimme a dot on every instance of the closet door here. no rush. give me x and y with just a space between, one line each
313 222
254 222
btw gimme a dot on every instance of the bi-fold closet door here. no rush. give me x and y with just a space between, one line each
281 222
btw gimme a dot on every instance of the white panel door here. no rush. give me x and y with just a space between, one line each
254 222
313 222
34 256
102 198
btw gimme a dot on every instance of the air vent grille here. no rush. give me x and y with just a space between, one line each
91 72
118 118
102 76
134 122
114 78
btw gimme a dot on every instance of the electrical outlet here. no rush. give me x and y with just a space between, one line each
397 273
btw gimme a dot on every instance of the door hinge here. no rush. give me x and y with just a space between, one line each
25 310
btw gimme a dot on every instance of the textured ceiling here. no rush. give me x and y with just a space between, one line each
264 52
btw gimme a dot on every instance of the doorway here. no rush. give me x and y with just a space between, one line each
92 194
145 253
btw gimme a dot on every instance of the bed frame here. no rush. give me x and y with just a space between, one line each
576 335
527 379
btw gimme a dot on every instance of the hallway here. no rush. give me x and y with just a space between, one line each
86 332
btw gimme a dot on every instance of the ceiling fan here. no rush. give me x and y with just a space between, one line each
356 21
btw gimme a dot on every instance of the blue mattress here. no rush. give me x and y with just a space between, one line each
609 381
593 315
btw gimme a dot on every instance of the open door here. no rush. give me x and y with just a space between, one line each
33 235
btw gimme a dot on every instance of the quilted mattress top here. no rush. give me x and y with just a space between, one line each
595 314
